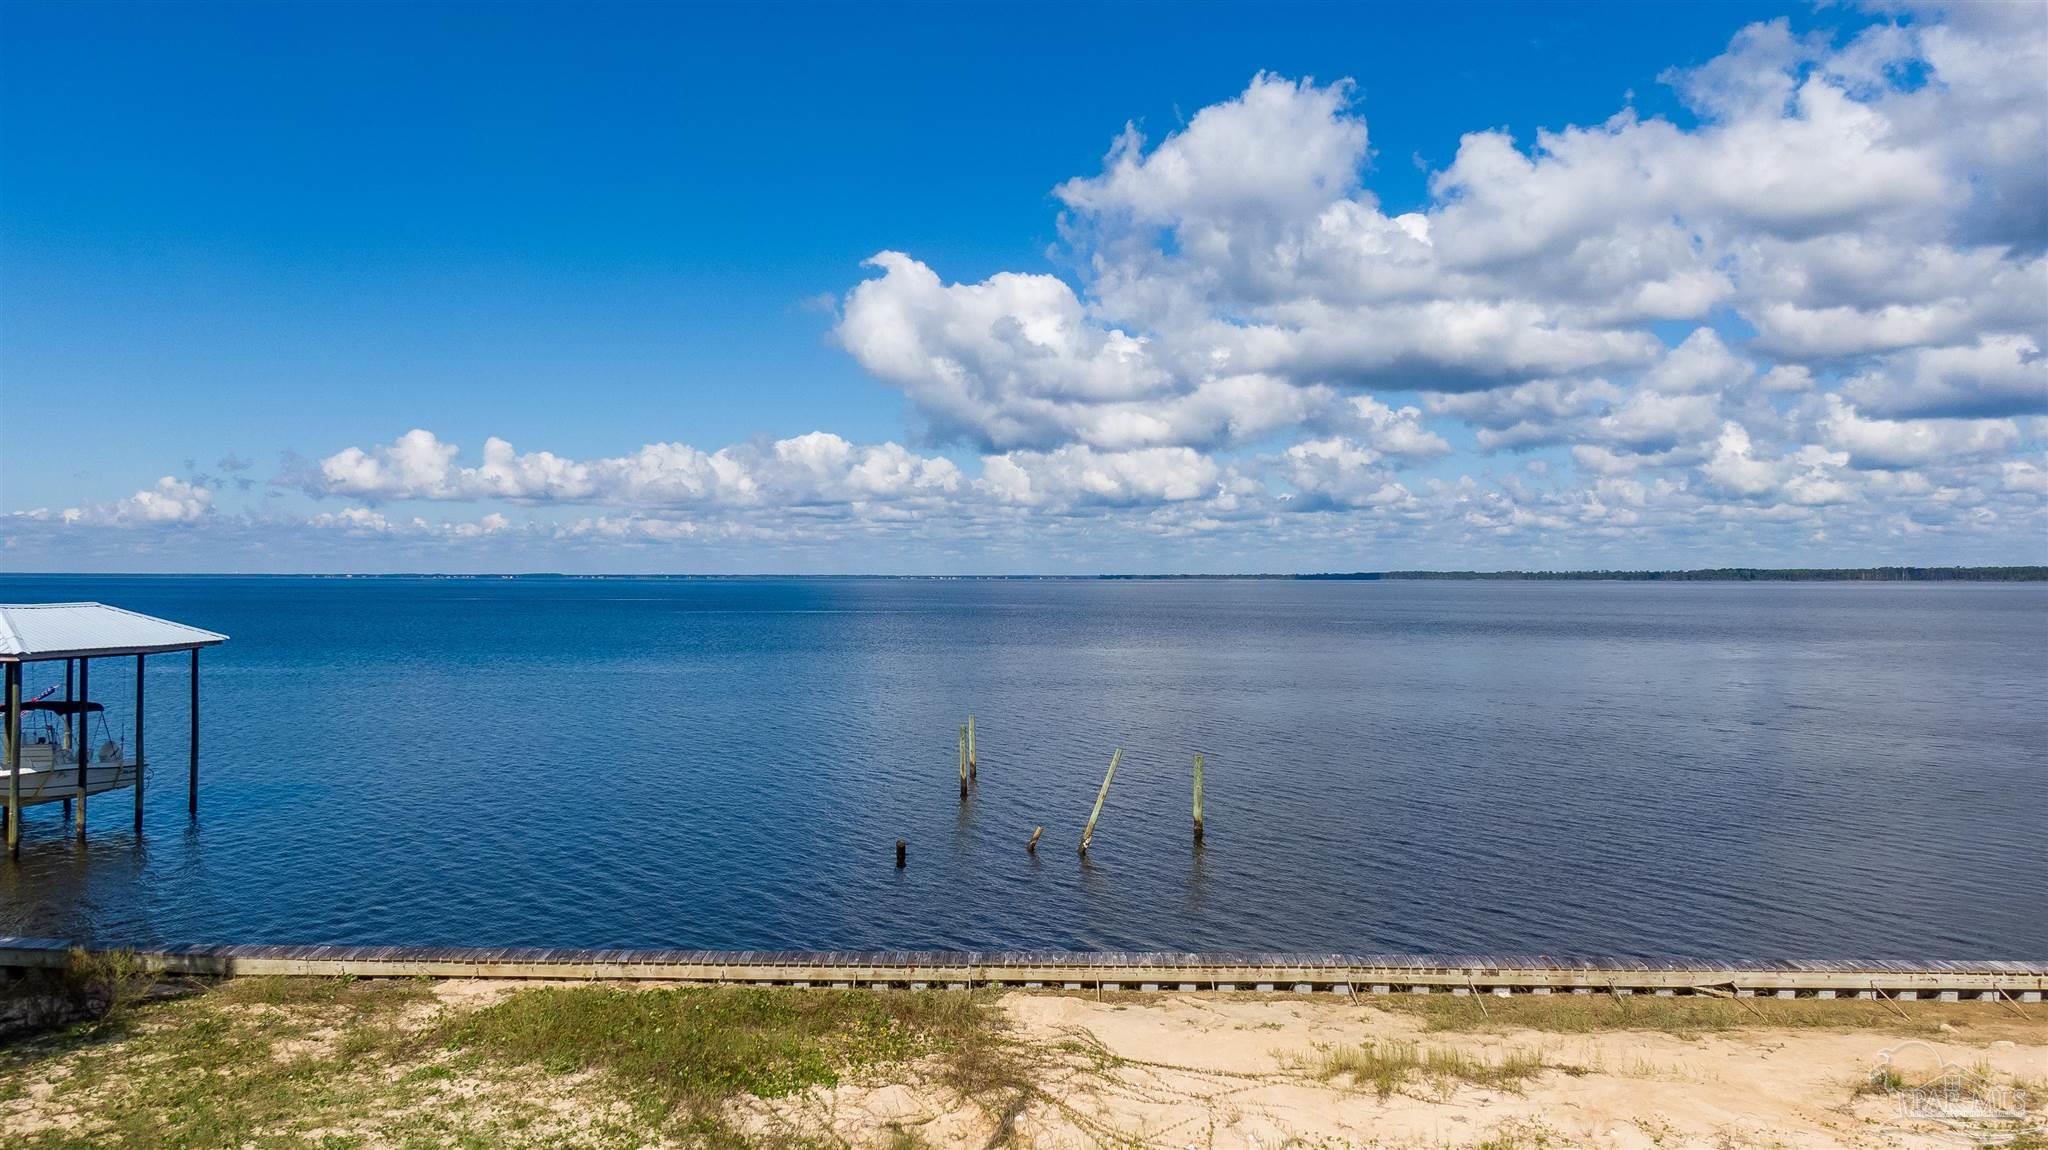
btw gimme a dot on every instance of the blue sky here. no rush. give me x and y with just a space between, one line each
239 241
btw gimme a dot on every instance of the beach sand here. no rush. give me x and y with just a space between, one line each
379 1066
1224 1071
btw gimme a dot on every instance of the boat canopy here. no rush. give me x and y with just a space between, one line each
61 707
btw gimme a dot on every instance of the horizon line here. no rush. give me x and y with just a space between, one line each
1886 572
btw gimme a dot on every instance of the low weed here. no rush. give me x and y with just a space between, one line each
1684 1016
1387 1067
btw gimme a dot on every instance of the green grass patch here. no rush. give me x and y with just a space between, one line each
375 996
682 1054
210 1069
329 1063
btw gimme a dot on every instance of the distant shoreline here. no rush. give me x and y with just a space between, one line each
2019 574
1741 575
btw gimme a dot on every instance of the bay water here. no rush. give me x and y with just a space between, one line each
1651 769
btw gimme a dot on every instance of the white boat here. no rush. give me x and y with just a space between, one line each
49 762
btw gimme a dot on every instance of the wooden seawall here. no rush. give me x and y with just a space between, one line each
1142 970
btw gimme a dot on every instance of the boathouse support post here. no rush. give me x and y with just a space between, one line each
1088 836
138 742
83 741
70 670
192 768
14 758
1198 798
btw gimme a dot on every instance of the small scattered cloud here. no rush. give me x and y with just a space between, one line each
172 501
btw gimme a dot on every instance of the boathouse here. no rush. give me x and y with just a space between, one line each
64 765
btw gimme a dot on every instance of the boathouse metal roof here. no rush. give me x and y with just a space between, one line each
30 632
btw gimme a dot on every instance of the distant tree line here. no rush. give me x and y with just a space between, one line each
1738 574
1703 575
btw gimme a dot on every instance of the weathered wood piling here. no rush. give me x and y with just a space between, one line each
1088 836
1032 846
901 849
1198 798
14 758
84 743
972 766
138 742
963 762
192 764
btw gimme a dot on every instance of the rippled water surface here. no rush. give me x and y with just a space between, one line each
1741 770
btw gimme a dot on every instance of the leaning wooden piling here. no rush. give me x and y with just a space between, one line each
1088 836
1032 846
1198 798
972 766
963 762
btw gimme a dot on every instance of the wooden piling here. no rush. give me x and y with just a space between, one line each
1198 798
14 758
192 777
1088 836
963 762
972 765
138 742
84 741
901 848
1032 846
70 671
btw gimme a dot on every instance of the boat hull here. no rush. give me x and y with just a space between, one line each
55 784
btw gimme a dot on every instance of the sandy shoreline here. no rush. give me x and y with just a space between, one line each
1179 1070
382 1065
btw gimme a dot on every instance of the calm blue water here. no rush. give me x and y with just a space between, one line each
1742 770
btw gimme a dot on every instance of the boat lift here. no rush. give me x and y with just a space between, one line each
50 752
